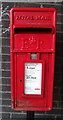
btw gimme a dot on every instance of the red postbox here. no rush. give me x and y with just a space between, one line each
32 50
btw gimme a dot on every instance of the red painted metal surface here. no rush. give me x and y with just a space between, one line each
32 30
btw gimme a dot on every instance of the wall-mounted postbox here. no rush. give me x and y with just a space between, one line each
32 49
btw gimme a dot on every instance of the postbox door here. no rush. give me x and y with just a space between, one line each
37 89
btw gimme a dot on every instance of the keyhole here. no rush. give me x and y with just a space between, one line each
20 80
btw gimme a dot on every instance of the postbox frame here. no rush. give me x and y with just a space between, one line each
13 55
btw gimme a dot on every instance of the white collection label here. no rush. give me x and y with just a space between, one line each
33 76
